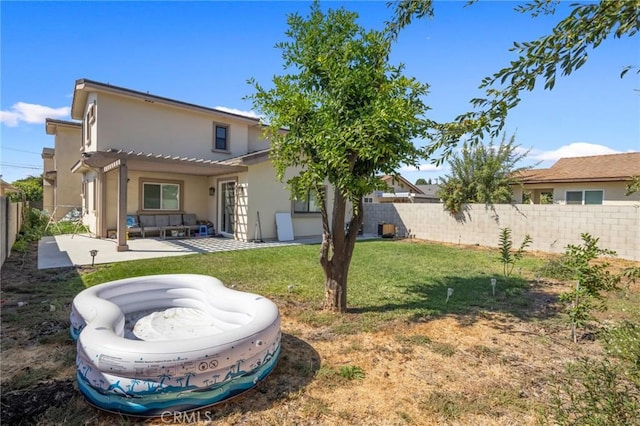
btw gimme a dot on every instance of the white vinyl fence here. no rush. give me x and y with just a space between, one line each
10 224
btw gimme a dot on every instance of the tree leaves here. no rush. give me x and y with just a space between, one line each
563 51
482 174
350 115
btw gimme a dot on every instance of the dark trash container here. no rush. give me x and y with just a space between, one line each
386 230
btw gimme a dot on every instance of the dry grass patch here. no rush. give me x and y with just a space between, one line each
478 360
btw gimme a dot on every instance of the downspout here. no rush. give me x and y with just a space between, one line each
122 206
101 223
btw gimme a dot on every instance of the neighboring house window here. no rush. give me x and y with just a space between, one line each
161 195
584 197
368 200
311 204
220 137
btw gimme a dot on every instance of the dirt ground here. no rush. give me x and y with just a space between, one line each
486 368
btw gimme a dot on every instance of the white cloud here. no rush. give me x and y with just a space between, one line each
576 149
422 168
31 114
238 112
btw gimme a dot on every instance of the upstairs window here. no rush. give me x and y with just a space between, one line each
88 125
220 137
585 197
161 196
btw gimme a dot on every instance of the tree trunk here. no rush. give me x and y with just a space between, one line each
336 252
335 296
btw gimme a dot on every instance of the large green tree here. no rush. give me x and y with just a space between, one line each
30 189
482 174
341 115
563 51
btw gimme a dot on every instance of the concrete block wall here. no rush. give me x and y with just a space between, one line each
551 227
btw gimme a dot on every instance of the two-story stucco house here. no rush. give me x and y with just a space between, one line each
61 187
142 154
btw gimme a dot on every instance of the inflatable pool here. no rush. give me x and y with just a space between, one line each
160 343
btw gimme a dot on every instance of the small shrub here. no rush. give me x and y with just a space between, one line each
592 279
21 246
416 339
594 393
508 256
351 372
444 349
556 268
448 405
623 342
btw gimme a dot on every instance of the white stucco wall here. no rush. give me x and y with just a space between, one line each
256 141
133 124
270 196
195 194
67 153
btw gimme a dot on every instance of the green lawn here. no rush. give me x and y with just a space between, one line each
503 370
388 279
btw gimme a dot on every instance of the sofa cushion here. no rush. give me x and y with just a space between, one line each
189 219
162 220
147 221
175 219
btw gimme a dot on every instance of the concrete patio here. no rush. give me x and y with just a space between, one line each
74 250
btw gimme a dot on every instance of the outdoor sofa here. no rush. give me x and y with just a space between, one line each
160 224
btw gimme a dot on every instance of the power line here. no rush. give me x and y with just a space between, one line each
20 150
21 166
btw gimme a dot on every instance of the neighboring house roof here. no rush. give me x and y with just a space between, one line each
48 152
7 187
51 125
430 190
83 86
597 168
391 178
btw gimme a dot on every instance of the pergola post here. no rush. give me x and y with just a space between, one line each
122 206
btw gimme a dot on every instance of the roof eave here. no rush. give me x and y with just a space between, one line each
576 180
51 125
83 86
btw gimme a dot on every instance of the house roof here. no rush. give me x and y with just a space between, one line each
246 159
84 86
597 168
144 161
7 187
51 125
430 190
411 186
48 152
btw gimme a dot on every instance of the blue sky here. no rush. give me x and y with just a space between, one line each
203 53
